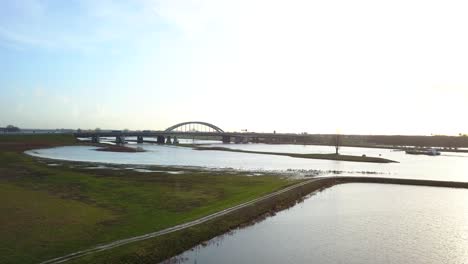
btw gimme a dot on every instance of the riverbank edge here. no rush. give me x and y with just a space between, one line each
109 147
399 181
162 248
165 247
332 156
297 195
13 156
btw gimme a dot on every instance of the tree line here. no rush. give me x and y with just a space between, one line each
10 128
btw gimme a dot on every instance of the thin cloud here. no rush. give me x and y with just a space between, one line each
17 39
92 25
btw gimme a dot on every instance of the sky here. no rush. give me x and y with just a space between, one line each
352 67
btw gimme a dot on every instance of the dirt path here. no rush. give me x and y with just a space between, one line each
337 180
125 241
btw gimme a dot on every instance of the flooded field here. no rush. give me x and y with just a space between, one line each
348 223
448 166
352 223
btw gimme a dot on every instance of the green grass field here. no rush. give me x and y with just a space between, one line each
49 211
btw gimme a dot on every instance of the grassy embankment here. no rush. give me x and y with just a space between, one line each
49 211
160 248
331 156
150 250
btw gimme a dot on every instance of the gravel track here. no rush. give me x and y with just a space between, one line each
107 246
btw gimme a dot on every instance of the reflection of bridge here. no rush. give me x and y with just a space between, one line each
193 129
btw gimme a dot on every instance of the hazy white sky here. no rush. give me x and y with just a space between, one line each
379 67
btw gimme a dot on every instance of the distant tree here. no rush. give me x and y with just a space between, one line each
11 128
78 130
125 130
97 129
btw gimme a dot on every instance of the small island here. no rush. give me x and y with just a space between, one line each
117 148
331 156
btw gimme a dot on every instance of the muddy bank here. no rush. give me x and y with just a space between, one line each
331 156
117 148
260 211
153 249
164 247
430 183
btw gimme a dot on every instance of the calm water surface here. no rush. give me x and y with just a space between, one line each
353 223
450 166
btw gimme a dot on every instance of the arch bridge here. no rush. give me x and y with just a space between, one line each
167 136
194 126
190 129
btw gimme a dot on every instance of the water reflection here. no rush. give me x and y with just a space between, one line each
353 223
451 166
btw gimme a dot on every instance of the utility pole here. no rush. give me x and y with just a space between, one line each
337 143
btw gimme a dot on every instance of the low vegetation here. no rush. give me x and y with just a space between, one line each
331 156
49 211
118 148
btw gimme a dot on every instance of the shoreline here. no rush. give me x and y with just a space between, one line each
332 156
93 206
117 148
159 248
166 244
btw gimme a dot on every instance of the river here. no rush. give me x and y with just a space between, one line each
352 223
447 167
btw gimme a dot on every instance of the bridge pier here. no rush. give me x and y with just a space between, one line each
140 139
120 139
168 140
160 140
95 139
175 140
226 139
240 139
